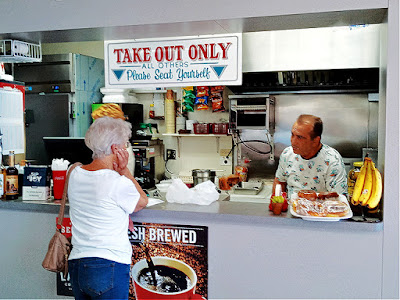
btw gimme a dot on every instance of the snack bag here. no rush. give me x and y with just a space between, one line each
188 99
217 99
202 103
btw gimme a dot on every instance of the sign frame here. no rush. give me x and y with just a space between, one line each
206 60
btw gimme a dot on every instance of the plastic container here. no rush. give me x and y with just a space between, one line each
219 128
201 128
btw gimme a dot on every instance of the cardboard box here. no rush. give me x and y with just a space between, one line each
36 183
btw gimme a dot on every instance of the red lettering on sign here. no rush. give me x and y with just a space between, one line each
136 56
203 53
169 55
179 52
224 49
213 53
193 52
146 54
159 54
127 56
118 51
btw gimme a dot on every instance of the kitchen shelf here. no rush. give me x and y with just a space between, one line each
148 91
179 136
12 51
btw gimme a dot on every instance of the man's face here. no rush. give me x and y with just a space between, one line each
301 140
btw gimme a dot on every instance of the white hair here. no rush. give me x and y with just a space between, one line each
105 132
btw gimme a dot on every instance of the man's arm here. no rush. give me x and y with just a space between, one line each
283 185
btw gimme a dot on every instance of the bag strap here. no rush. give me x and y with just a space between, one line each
64 196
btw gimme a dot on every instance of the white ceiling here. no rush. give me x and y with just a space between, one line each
297 21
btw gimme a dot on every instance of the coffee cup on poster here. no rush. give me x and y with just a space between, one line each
174 279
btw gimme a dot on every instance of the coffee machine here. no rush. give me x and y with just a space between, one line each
149 162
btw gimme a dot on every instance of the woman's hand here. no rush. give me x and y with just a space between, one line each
122 157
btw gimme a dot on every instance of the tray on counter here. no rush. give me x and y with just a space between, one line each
248 188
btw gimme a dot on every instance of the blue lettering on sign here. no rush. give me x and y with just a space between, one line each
133 75
193 74
163 75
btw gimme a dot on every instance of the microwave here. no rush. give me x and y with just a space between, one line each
252 112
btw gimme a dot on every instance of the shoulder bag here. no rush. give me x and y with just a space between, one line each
56 259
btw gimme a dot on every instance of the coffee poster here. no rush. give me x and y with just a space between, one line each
169 261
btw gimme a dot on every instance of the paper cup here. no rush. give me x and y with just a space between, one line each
58 183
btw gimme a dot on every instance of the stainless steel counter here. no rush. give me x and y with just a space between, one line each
221 209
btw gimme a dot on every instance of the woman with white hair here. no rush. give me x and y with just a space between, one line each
102 195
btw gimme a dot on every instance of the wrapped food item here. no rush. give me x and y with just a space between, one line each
307 194
328 196
227 182
217 99
202 93
202 103
188 99
110 110
327 204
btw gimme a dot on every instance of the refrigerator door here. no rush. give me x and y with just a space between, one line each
46 115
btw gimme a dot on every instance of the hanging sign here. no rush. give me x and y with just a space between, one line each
189 61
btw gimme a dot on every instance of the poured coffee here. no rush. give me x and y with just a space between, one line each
167 279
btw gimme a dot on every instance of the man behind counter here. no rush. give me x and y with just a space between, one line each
309 164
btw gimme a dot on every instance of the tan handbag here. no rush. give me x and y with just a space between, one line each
56 259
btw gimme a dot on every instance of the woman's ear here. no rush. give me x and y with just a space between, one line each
114 148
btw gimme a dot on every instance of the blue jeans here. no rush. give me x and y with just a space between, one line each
98 278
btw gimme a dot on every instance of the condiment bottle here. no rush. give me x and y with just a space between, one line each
11 178
151 111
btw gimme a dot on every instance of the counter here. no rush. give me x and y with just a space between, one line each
270 251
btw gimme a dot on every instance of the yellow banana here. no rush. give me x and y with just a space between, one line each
367 188
376 192
358 187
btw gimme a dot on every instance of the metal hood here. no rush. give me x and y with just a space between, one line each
55 74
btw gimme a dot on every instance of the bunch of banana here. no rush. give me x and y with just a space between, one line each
368 187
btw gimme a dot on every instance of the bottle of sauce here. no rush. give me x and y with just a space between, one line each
11 178
151 111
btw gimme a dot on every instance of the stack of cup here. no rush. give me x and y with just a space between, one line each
59 169
169 112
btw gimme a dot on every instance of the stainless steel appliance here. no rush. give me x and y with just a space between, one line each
149 162
252 112
59 94
200 175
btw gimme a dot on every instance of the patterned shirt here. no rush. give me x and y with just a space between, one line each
324 172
